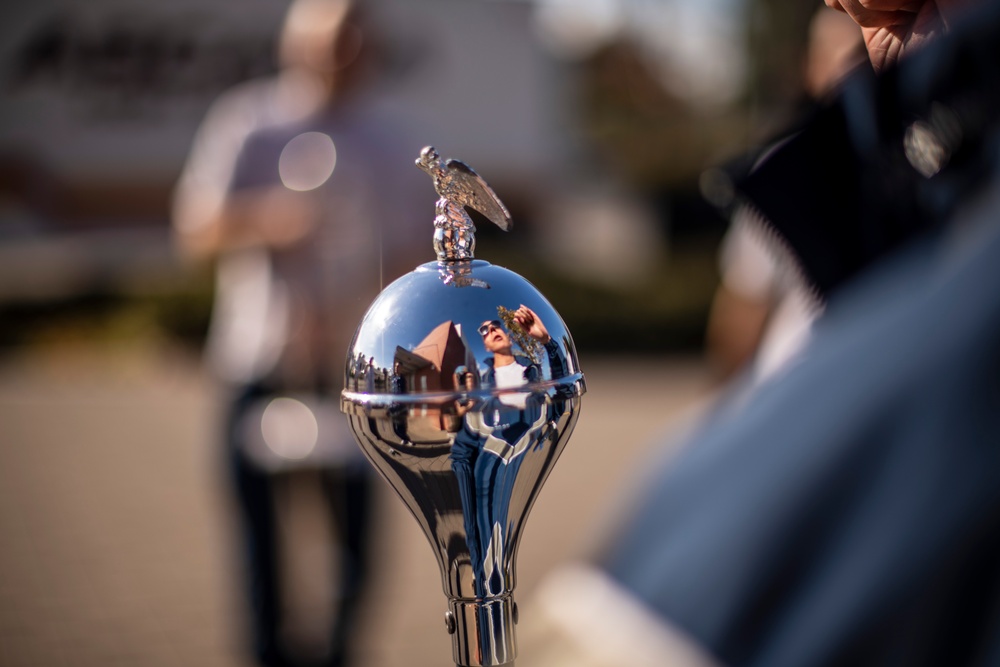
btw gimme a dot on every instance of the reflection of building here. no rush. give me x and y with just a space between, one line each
431 365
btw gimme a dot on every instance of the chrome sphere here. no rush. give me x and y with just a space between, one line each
462 389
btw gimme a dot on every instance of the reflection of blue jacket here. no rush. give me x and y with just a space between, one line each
484 482
532 372
486 457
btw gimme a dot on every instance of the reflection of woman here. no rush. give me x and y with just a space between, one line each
504 419
505 369
496 437
488 449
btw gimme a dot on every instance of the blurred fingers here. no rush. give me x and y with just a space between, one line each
880 13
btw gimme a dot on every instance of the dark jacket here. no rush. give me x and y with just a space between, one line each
848 513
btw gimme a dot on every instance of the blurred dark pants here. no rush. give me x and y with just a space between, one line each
347 492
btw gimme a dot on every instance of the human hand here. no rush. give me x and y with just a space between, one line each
532 324
893 28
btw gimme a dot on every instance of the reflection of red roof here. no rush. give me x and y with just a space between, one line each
440 345
444 348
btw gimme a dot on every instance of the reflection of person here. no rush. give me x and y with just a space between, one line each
398 380
508 369
848 513
507 419
490 448
502 424
498 433
286 188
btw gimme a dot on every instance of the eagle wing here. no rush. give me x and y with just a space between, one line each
469 189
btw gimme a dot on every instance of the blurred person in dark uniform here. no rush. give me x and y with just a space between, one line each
847 512
763 309
309 203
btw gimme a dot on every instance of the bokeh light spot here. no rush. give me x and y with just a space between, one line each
289 428
307 161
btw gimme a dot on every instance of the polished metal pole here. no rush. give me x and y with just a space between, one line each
462 387
482 631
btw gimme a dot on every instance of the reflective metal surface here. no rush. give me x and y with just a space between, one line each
462 388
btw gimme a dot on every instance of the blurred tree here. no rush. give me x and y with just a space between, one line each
777 38
652 138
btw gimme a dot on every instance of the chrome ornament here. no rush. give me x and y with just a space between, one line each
459 186
462 388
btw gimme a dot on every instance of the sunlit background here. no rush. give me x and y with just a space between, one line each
607 126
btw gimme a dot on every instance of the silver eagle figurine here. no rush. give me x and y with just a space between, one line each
458 187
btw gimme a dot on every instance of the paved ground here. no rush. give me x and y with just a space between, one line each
115 533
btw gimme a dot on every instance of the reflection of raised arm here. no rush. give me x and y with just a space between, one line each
535 328
532 324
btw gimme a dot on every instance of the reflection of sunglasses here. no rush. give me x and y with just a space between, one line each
485 327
